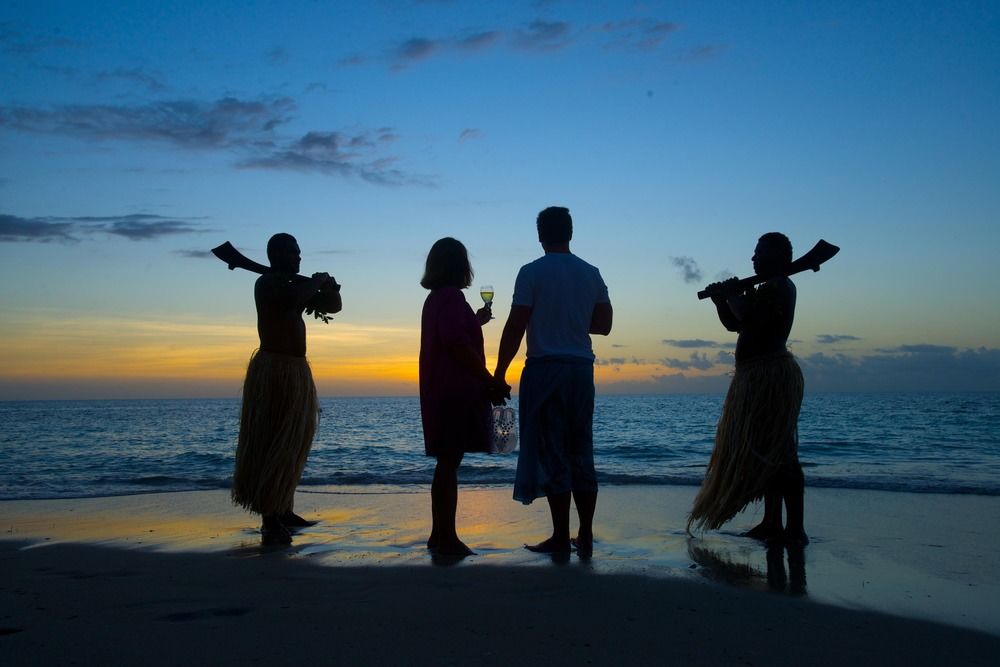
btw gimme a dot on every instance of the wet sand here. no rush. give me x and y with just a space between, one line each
180 577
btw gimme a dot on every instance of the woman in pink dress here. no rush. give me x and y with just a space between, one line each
454 384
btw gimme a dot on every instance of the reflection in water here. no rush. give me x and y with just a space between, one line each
735 565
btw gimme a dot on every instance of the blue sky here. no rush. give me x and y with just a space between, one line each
136 136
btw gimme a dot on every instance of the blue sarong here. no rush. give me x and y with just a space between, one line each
556 406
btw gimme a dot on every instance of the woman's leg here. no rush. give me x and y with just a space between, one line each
444 505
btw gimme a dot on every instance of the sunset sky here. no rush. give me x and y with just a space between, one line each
135 136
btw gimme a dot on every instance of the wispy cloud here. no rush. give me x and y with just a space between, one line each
697 343
701 53
470 133
134 227
15 229
152 81
543 36
247 128
277 55
225 123
689 268
701 362
14 42
830 339
337 153
637 34
195 254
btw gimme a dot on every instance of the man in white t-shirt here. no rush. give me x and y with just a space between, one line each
559 300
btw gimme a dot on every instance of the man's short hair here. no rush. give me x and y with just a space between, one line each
780 243
555 225
276 243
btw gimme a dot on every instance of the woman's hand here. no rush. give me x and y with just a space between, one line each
484 314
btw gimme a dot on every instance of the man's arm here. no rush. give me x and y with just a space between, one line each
600 320
510 340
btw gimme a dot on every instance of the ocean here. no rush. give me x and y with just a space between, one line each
918 442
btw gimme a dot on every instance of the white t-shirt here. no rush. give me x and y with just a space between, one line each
561 289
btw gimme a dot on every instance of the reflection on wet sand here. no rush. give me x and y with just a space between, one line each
736 561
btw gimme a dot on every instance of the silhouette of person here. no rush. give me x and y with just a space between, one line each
280 408
455 384
559 300
756 444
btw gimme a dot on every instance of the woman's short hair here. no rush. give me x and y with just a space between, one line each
447 265
555 225
277 243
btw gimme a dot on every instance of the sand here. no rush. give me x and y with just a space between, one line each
181 578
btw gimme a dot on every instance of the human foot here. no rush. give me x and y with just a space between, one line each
550 546
795 538
584 545
453 548
765 532
273 533
292 520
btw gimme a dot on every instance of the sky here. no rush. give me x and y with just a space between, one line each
135 136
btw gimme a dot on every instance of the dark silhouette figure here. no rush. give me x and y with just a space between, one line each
280 408
756 445
559 300
455 385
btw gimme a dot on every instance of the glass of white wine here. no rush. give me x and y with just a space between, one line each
486 291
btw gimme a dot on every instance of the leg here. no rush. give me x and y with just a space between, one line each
273 532
444 505
793 492
586 505
770 526
559 542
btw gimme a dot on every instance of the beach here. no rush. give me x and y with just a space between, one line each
181 577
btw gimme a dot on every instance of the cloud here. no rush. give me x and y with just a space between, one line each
352 60
689 269
696 342
337 153
417 48
637 34
225 123
13 42
152 82
479 41
14 229
830 339
697 361
134 227
470 133
905 368
277 55
195 254
245 127
701 53
543 36
612 361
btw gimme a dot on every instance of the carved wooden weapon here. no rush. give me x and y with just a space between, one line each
820 253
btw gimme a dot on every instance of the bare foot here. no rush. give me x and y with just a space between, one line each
272 532
765 532
549 546
293 520
453 548
795 538
584 545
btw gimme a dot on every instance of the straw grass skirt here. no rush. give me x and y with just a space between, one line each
757 433
277 423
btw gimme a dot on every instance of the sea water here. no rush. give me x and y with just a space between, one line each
922 442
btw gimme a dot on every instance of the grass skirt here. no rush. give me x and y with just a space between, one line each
277 424
757 433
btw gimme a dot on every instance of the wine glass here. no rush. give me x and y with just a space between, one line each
486 291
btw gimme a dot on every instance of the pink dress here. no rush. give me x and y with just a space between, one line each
454 404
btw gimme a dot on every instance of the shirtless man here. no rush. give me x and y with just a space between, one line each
280 408
756 446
